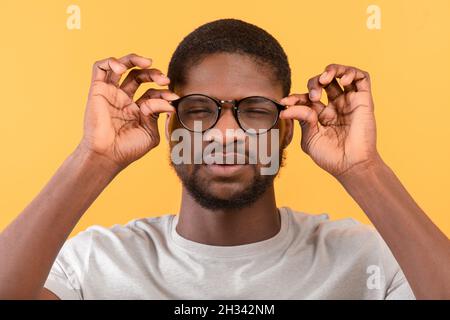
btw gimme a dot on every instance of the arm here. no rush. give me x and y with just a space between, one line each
340 137
29 245
421 249
117 131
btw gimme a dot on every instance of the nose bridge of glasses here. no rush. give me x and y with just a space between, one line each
227 118
231 103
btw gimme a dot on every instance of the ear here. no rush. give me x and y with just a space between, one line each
168 126
287 131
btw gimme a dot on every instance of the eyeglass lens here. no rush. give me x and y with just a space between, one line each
256 113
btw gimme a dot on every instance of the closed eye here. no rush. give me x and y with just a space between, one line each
198 110
256 111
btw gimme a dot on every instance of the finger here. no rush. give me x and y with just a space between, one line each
102 68
293 99
130 61
347 80
115 97
328 80
307 118
362 81
138 76
333 90
357 79
134 60
325 113
152 93
315 89
132 109
332 71
303 114
148 123
165 94
348 76
153 107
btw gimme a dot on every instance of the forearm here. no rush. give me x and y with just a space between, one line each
421 249
29 245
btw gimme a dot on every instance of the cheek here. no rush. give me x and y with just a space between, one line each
270 146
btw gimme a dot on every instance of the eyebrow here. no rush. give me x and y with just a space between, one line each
203 99
199 99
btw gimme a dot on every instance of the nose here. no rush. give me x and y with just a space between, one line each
227 119
226 127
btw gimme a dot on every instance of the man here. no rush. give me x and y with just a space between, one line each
230 239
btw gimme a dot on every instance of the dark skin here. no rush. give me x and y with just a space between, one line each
120 128
227 77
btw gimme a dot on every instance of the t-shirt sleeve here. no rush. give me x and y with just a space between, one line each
60 283
65 277
397 286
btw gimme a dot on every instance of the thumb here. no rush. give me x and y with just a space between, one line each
307 117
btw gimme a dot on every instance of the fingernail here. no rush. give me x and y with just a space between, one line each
313 94
324 76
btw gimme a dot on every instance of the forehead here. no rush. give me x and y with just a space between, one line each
230 76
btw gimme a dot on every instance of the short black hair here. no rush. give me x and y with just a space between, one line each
229 36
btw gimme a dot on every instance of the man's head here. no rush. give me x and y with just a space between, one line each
229 59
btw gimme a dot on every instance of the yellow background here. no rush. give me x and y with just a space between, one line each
45 74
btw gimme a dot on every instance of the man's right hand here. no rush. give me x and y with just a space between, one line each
117 131
115 126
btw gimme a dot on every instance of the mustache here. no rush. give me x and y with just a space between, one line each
231 153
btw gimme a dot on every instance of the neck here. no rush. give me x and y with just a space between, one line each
260 221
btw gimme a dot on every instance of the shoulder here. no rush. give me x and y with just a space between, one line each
342 238
321 227
120 237
352 248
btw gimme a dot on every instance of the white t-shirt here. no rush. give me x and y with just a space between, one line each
310 257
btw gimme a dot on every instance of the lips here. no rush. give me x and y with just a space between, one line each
227 159
225 164
225 169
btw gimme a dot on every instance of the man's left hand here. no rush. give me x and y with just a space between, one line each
339 136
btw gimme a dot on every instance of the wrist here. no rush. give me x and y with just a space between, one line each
95 160
363 170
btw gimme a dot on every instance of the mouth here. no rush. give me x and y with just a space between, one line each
225 159
225 169
225 164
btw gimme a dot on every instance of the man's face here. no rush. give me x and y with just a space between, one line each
223 186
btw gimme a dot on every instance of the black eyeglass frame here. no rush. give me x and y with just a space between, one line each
220 103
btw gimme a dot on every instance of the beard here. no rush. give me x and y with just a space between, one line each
197 187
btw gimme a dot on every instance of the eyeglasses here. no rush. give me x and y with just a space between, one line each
254 114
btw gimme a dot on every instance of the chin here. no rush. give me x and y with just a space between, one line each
226 190
227 176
